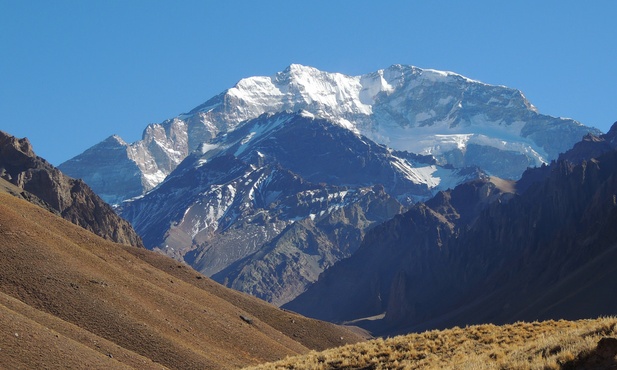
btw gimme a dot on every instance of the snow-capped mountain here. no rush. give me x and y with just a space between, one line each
459 121
271 182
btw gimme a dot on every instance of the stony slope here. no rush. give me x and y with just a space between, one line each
406 252
70 298
42 183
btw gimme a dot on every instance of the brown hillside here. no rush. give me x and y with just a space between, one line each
70 299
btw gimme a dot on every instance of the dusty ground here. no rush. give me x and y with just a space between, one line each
69 299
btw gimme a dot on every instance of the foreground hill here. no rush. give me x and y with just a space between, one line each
583 344
69 298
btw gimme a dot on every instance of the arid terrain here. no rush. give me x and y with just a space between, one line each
70 299
582 344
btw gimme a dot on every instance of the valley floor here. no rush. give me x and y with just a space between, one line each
582 344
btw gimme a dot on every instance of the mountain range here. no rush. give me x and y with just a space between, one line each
457 120
398 201
72 299
275 180
487 251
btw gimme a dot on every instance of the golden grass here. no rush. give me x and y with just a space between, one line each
537 345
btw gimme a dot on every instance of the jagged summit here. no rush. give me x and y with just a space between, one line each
342 98
459 121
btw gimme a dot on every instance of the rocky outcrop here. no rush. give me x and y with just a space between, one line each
601 357
70 198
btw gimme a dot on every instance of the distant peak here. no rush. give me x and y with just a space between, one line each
115 139
299 70
294 67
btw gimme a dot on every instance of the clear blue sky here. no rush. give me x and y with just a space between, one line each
74 72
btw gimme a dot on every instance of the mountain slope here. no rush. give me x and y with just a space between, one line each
406 252
546 253
459 121
261 216
100 304
72 199
275 166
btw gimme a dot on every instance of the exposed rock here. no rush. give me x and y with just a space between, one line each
71 198
268 214
285 266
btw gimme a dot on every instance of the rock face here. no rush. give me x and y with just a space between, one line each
459 121
399 256
283 267
547 252
72 199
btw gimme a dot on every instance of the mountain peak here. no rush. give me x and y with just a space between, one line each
9 142
406 108
300 68
611 135
115 139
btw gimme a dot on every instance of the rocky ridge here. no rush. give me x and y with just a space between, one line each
543 253
44 185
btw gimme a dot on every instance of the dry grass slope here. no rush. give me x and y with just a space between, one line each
538 345
70 299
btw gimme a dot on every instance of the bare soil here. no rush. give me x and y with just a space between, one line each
70 299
